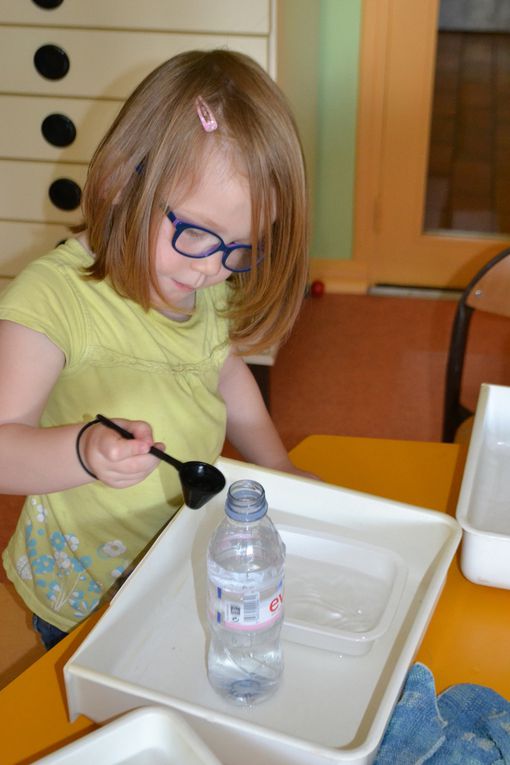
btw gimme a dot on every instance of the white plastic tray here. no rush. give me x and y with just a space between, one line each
150 646
483 509
149 736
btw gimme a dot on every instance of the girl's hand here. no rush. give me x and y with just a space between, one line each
116 461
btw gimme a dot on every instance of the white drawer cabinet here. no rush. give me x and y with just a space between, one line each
65 72
101 62
221 16
24 119
22 198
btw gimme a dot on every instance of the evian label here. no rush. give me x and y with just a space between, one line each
245 610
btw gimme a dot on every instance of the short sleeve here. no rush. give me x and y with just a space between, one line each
42 298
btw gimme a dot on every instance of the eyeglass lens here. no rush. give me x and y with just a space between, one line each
196 243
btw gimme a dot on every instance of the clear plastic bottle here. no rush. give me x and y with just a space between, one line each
245 570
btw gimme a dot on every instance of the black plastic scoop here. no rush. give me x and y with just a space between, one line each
200 481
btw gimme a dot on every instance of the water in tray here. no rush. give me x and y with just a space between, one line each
340 594
332 596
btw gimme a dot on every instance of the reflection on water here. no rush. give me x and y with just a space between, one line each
329 595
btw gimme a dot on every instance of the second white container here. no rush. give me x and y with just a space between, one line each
483 509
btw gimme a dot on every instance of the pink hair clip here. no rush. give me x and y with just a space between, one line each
205 115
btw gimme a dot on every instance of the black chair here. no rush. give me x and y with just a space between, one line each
489 291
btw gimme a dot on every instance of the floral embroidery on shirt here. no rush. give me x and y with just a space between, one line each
66 569
116 572
63 562
41 514
72 541
81 564
111 549
23 567
58 540
53 590
44 564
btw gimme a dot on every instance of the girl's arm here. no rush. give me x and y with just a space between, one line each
249 427
41 460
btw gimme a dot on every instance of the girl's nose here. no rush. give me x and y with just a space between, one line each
210 266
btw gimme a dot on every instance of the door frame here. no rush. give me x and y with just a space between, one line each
397 61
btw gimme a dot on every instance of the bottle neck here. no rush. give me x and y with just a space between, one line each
246 502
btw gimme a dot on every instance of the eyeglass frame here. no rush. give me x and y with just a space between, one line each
226 249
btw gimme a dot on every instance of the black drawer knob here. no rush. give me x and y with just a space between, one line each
51 62
48 4
65 194
58 129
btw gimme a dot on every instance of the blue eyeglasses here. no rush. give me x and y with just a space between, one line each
198 242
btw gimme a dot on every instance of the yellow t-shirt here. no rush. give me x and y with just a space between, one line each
70 547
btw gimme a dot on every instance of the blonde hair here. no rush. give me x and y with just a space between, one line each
155 148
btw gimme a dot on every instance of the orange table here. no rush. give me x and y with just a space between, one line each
467 639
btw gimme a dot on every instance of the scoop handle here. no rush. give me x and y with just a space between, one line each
126 434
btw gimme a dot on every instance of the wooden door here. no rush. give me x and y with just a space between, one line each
397 63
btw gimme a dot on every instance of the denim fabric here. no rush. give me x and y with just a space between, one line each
465 725
49 634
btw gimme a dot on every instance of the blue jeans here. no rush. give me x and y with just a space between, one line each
49 634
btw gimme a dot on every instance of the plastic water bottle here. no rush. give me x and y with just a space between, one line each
245 569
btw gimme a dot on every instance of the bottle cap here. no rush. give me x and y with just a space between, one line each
246 501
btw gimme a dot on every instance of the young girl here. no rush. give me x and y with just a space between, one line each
193 246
